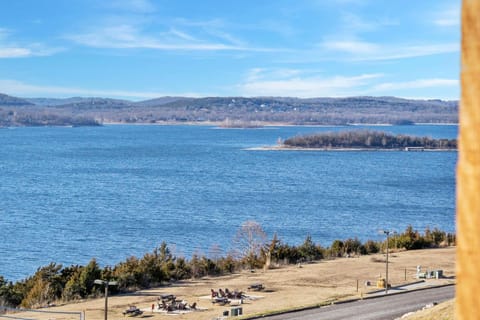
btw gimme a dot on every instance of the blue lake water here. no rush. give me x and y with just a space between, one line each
70 194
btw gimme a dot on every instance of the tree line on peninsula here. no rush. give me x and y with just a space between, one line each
367 139
251 249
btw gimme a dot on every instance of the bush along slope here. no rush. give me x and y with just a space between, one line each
55 282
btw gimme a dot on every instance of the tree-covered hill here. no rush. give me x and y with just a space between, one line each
10 101
271 110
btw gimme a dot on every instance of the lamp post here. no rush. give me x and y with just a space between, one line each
106 284
387 232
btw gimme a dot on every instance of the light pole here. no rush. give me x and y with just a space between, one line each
387 232
106 284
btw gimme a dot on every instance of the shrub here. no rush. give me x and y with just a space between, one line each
77 282
337 248
309 251
352 246
370 247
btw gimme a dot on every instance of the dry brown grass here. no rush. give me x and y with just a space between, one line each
286 288
442 311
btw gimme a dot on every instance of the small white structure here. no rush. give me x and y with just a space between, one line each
429 274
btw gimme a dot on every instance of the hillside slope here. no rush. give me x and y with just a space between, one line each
266 110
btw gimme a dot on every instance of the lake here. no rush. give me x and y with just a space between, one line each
70 194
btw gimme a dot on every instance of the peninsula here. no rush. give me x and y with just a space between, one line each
367 140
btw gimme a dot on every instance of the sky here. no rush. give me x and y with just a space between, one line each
144 49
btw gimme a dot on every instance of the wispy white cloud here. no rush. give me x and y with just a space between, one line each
227 37
260 74
12 52
353 24
412 51
127 36
216 28
352 39
137 6
417 84
34 50
181 35
19 88
297 83
354 47
260 82
204 24
449 17
11 49
357 50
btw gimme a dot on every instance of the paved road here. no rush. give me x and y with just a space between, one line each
388 307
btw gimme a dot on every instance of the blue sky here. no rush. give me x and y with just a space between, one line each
142 49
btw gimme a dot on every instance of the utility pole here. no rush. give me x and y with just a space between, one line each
386 272
106 284
386 232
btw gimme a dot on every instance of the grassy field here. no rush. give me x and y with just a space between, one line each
286 288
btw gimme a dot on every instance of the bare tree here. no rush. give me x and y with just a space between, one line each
249 241
215 252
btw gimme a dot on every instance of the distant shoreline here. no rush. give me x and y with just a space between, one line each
268 124
232 111
287 148
218 125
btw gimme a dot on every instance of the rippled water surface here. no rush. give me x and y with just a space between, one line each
70 194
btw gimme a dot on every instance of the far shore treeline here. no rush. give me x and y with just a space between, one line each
368 139
229 111
55 283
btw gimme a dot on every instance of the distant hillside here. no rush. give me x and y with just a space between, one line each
96 104
332 111
16 112
53 102
79 101
6 100
259 110
159 101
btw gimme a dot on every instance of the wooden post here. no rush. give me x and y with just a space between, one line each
106 300
468 169
386 266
